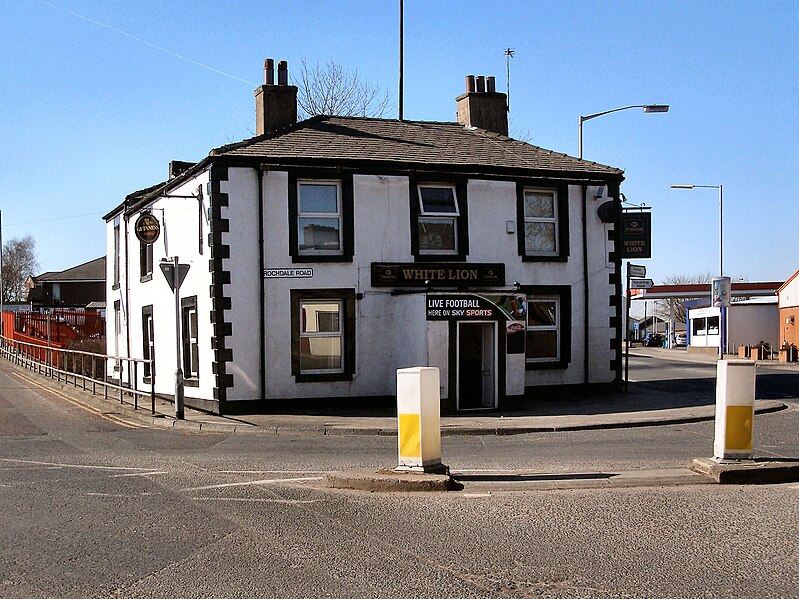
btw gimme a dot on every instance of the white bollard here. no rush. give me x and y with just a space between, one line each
419 419
735 409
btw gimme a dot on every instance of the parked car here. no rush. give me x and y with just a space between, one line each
654 340
680 339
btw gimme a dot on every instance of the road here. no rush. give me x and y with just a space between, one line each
92 507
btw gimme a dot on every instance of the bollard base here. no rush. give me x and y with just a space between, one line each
428 468
387 480
758 471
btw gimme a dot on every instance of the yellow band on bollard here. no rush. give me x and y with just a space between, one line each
410 438
739 428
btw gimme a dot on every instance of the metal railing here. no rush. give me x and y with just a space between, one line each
83 369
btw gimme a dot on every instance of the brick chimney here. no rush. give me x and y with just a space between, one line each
275 105
482 107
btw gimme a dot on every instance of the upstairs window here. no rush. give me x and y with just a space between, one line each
438 218
319 218
540 222
145 261
543 222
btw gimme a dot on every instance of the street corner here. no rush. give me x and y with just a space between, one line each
758 471
388 480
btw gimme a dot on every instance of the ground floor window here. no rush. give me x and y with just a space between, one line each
705 326
548 328
323 334
189 338
148 339
543 322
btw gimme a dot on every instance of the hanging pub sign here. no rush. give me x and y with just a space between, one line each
636 235
433 274
147 228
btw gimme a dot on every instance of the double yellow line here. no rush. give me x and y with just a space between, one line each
80 404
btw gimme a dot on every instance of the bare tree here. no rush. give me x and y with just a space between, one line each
665 308
19 262
332 90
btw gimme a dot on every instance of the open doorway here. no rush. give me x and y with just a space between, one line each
477 366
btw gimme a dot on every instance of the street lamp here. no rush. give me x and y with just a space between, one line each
722 311
646 107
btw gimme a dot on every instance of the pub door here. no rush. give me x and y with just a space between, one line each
477 366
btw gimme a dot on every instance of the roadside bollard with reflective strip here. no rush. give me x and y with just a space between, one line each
419 419
735 409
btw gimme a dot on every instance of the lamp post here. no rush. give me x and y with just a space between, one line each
647 108
722 311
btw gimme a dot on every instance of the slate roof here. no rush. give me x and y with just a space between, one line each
94 270
419 143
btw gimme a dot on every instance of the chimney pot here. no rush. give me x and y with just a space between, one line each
269 72
275 105
482 110
469 83
282 73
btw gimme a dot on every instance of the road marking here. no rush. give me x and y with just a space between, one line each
268 481
58 465
139 474
82 405
122 495
477 494
272 471
257 500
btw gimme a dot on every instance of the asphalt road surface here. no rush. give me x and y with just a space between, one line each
91 506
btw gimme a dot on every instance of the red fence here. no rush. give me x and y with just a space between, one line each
59 326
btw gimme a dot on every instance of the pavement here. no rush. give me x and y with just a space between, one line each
644 404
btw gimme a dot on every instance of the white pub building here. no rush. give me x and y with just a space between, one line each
325 254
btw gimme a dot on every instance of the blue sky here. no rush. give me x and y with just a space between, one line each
99 95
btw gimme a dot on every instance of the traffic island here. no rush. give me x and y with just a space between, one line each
758 471
386 480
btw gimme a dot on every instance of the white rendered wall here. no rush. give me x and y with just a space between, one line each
180 235
789 296
244 289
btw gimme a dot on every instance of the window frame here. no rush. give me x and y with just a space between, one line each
345 298
560 192
190 345
344 200
561 294
145 261
544 328
148 340
337 216
553 220
117 250
435 216
461 219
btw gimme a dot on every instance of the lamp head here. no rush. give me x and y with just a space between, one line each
656 108
682 186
